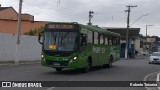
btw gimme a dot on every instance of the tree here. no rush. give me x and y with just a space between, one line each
34 32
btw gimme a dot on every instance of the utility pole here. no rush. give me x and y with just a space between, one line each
127 32
90 16
146 50
18 32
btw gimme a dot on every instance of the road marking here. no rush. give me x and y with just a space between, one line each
3 64
55 87
158 79
145 79
23 63
51 88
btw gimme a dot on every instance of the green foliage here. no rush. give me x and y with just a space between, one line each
157 38
34 32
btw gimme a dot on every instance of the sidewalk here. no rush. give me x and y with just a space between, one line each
20 62
137 57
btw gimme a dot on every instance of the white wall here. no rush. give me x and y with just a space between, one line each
29 48
137 45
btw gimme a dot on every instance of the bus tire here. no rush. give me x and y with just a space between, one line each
88 67
58 69
109 65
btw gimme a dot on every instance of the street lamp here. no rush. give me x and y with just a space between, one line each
146 29
146 36
90 16
126 49
139 19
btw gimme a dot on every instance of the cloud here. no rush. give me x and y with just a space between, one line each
109 13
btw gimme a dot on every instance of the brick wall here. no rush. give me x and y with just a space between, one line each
10 26
8 13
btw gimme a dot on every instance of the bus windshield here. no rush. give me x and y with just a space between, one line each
60 41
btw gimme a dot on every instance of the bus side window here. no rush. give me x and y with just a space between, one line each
118 40
101 39
106 40
113 40
90 36
95 37
83 39
99 35
110 40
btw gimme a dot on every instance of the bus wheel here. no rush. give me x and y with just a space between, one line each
88 67
109 65
58 69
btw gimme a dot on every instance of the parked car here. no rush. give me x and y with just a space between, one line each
144 53
154 58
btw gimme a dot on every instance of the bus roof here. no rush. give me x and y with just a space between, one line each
62 23
98 29
92 28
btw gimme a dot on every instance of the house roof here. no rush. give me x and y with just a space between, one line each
2 8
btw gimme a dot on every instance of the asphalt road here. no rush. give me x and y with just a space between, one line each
122 70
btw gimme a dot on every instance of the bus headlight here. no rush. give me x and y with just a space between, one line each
71 60
75 58
43 58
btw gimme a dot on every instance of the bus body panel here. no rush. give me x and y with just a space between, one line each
100 53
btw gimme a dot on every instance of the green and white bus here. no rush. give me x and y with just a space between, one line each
73 45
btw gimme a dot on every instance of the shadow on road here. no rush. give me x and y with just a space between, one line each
79 71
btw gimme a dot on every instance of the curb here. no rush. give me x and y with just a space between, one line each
6 63
158 79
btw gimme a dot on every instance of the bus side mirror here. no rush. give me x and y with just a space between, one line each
39 38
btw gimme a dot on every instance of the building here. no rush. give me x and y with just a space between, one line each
150 44
8 13
9 21
10 26
133 42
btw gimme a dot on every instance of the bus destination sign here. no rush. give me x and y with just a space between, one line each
60 26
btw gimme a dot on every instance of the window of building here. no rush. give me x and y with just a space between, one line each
141 44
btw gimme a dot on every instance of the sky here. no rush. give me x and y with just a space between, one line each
107 13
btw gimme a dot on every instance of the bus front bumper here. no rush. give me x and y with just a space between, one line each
64 64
